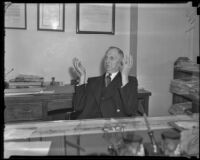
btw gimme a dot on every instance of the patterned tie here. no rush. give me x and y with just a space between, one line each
108 79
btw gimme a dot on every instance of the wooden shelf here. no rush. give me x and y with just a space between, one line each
186 72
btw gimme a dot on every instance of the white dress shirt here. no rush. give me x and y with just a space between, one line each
113 75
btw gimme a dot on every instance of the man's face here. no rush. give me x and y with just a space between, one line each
112 61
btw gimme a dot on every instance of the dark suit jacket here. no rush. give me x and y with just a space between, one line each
117 101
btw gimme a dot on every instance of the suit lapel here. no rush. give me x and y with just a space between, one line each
115 83
110 90
97 88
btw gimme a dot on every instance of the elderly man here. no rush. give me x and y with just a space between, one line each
114 94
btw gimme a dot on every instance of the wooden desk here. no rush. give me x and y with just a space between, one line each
35 106
32 107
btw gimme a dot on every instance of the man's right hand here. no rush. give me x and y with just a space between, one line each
80 70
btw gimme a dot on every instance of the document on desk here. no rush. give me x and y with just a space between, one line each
36 148
11 134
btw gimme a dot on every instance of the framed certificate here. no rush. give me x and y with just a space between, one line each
51 16
95 18
15 16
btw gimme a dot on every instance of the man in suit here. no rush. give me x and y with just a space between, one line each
114 94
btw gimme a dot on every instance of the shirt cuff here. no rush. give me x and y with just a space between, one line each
80 84
124 85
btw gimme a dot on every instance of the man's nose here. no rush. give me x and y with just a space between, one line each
107 61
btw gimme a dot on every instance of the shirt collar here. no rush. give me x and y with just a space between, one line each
113 75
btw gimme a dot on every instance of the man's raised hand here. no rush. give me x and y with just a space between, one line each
80 70
127 64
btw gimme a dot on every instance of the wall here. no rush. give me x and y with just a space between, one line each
133 37
196 39
156 40
161 40
50 54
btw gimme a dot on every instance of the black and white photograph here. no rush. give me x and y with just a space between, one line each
101 79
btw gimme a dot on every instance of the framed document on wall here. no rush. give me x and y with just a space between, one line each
15 16
51 16
95 18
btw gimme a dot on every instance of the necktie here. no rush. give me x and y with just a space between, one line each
108 79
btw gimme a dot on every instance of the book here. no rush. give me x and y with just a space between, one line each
23 90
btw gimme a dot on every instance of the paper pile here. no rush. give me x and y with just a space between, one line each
180 86
187 65
26 81
180 108
27 78
190 141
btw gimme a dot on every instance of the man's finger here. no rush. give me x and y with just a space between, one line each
77 66
73 61
126 59
131 60
76 71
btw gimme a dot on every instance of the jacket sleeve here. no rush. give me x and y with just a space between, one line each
79 97
128 95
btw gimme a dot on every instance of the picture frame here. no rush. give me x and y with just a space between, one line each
15 16
95 18
51 17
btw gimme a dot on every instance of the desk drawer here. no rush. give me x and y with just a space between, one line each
23 111
59 104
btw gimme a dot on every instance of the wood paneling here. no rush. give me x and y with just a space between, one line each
24 111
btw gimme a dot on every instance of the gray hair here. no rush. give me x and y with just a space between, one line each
118 49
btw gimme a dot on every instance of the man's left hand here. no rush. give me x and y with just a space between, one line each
127 64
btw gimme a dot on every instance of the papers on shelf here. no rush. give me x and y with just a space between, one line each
185 124
180 108
190 141
180 86
188 66
36 148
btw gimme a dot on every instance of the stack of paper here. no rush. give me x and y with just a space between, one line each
25 81
36 148
27 78
184 87
190 141
180 108
187 66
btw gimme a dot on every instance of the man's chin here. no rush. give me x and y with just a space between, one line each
108 71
